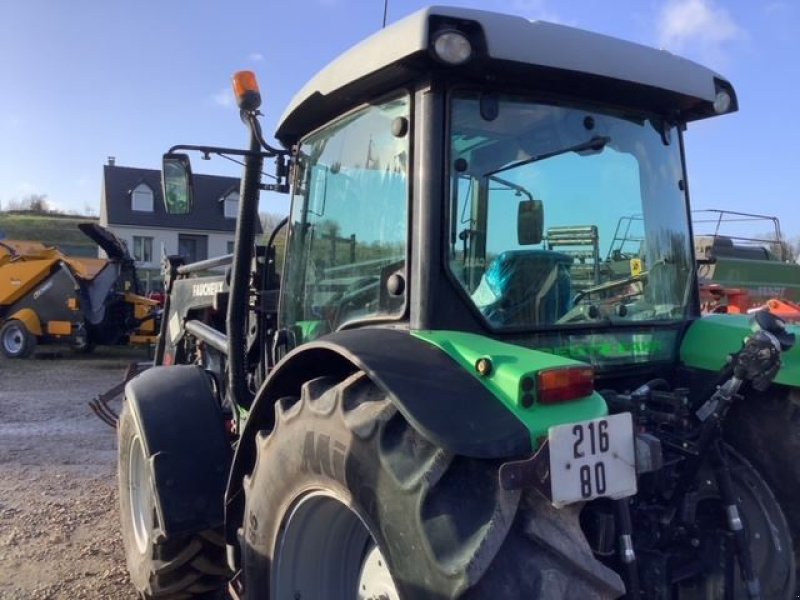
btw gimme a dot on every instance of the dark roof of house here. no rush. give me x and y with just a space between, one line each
207 212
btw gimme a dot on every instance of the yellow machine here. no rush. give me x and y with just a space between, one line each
48 297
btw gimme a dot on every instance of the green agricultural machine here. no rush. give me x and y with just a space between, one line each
743 260
443 392
743 256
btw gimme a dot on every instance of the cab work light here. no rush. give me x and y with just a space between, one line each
452 47
245 88
563 384
722 102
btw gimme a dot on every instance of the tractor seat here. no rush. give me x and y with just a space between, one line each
525 287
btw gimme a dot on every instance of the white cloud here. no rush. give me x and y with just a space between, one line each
57 205
697 26
256 57
224 98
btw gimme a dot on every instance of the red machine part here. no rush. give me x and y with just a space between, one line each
715 299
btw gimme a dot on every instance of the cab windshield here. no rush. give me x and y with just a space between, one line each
562 215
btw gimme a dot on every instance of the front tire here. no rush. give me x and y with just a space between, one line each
347 500
15 339
161 568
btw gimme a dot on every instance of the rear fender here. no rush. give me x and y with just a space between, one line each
437 396
184 437
441 399
30 319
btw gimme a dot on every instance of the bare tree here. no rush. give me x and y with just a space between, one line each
36 203
269 221
785 248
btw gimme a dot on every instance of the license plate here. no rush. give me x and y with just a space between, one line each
592 459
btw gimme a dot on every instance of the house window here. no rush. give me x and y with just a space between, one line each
142 249
230 247
230 204
142 198
193 247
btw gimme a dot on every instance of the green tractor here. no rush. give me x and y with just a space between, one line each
435 398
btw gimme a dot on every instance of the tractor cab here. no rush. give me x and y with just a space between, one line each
477 186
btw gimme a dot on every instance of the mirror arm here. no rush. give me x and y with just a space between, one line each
282 171
208 150
514 186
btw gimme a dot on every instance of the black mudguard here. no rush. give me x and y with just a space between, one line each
184 436
444 402
441 400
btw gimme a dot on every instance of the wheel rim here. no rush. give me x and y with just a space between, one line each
375 580
13 340
140 495
326 550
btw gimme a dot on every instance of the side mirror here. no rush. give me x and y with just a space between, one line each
176 184
530 222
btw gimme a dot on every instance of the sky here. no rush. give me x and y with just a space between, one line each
82 80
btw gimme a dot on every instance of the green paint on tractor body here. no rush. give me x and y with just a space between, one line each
710 340
512 364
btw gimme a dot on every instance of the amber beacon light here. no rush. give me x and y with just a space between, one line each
245 88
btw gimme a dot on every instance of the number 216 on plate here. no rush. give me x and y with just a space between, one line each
592 459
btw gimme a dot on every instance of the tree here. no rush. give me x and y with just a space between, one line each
793 247
784 248
36 203
269 221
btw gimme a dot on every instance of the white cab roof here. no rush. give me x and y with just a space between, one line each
516 39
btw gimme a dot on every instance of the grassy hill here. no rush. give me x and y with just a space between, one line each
51 229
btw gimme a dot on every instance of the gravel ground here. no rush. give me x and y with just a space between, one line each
59 533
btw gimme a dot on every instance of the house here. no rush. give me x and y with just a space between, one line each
132 208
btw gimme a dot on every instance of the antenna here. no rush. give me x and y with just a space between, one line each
385 10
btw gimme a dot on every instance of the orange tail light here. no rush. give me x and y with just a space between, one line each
563 384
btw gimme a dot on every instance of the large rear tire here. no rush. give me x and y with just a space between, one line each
15 339
161 568
765 428
346 500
